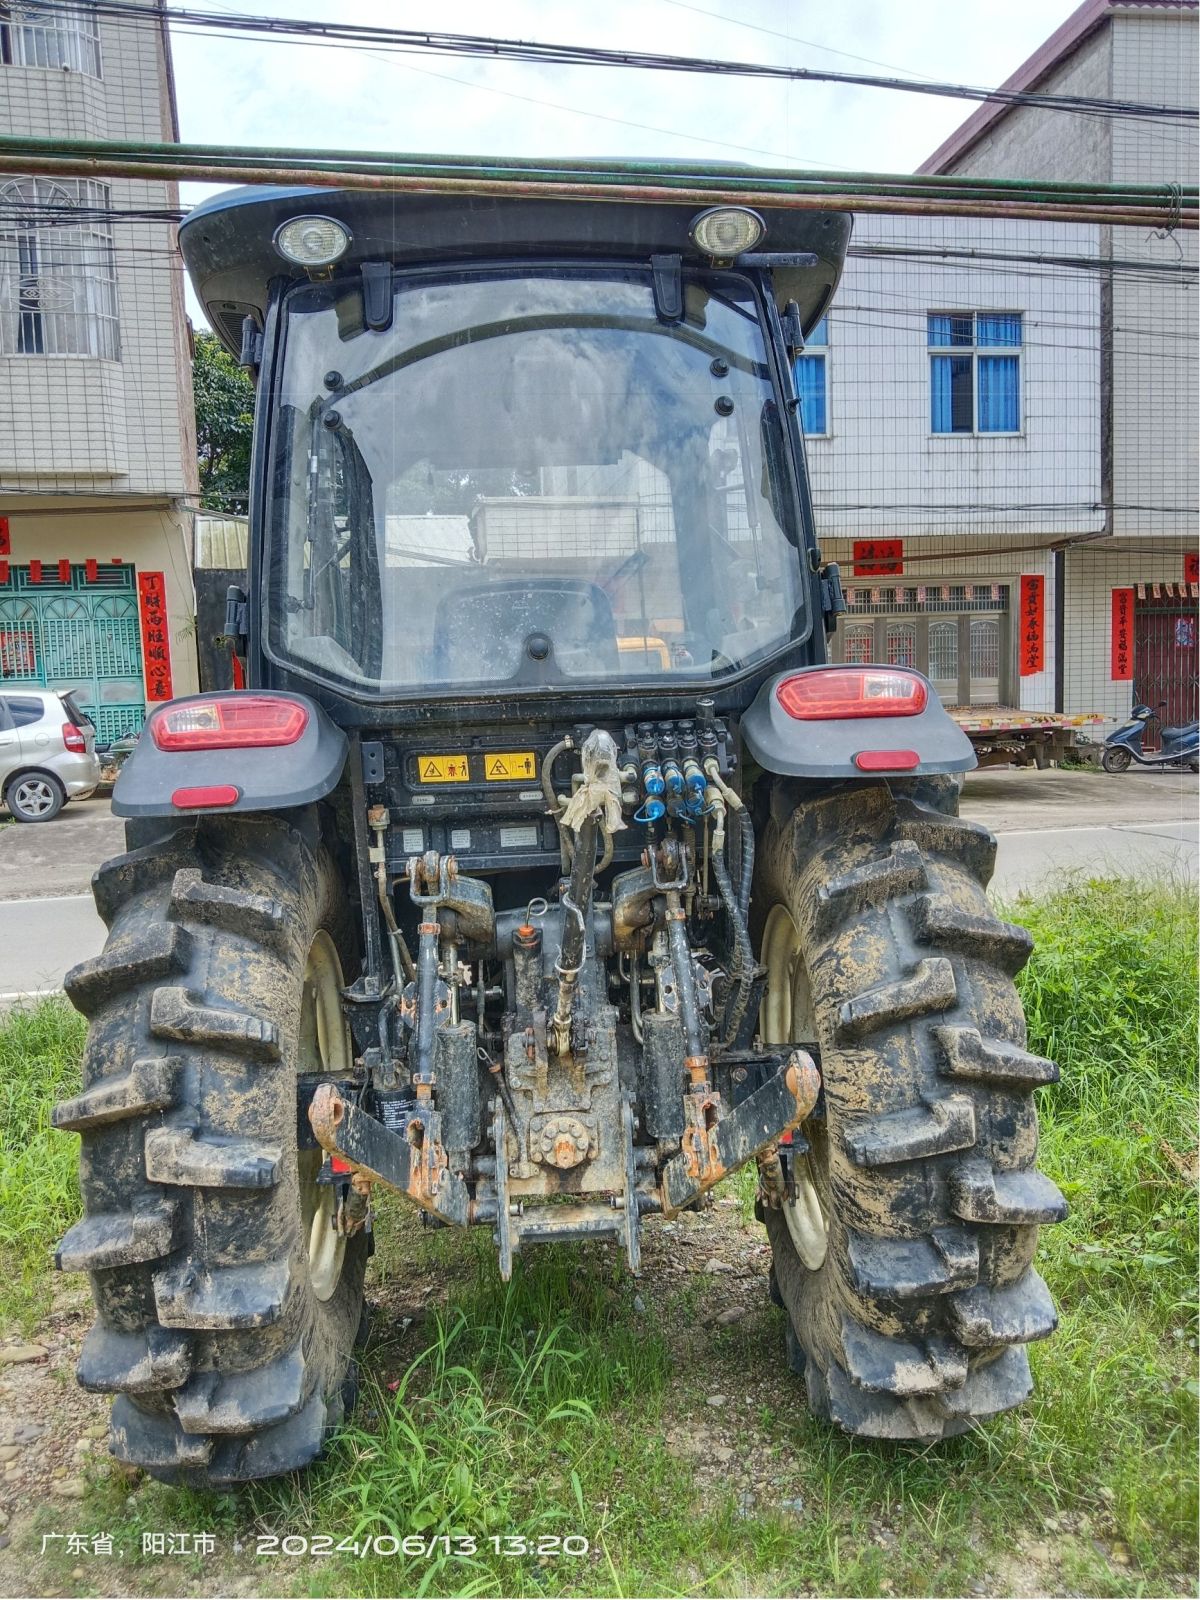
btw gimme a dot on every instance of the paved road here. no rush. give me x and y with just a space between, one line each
1046 822
1029 858
42 939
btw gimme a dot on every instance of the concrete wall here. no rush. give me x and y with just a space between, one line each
1156 406
1032 143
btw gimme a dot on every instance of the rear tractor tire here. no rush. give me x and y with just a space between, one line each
904 1259
227 1304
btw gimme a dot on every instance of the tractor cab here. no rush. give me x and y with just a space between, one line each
522 446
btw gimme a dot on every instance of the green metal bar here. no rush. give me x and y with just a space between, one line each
663 175
168 162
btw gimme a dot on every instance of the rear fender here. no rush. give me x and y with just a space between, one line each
827 749
274 778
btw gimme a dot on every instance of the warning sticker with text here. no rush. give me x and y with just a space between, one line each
509 765
443 769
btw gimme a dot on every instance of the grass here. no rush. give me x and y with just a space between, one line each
40 1047
555 1405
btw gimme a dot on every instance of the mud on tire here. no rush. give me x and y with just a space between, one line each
227 1351
916 1322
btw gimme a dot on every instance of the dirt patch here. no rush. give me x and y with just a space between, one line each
51 1432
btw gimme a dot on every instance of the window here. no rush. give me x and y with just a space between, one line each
943 658
812 380
901 640
25 712
858 643
975 371
33 35
58 286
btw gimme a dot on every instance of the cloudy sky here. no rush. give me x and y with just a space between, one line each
239 91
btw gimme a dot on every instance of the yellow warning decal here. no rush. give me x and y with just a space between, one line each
443 769
500 766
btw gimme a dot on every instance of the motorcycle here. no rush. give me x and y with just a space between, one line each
1180 746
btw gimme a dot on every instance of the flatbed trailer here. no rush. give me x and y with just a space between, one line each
1004 736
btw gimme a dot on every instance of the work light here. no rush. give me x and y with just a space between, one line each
312 241
726 231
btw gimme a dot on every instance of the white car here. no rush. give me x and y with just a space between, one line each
47 753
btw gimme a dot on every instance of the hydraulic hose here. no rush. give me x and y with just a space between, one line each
743 963
402 961
746 856
745 826
566 851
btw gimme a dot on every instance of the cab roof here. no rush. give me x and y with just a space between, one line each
228 240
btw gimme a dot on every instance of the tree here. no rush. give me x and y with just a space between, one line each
224 398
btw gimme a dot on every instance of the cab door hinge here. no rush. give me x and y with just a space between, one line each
833 596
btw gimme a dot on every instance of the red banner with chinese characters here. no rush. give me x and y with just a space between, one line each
1122 635
878 558
156 650
1191 566
5 538
1032 648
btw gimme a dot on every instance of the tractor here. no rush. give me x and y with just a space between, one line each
539 868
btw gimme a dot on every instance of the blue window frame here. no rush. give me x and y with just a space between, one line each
975 371
812 380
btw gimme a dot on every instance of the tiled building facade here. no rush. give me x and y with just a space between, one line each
97 447
1144 52
952 410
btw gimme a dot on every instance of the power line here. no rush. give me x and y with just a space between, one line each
777 33
1168 269
555 54
580 111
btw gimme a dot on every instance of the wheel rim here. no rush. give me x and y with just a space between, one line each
323 1051
1118 760
35 797
788 1018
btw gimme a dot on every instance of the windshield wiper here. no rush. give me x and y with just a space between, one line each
568 322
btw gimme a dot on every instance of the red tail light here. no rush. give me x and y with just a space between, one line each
835 692
73 739
240 722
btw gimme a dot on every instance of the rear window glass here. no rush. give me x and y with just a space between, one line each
24 708
75 711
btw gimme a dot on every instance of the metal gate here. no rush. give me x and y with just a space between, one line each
956 634
79 635
1165 660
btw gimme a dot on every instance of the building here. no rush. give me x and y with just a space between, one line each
1142 574
951 402
97 434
